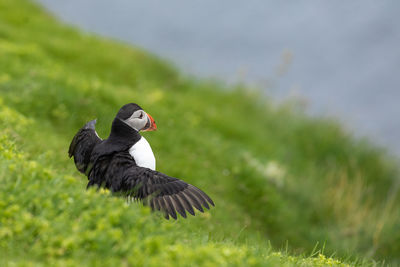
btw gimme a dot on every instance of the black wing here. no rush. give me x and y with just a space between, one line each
162 192
82 146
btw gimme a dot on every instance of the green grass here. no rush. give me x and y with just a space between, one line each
288 189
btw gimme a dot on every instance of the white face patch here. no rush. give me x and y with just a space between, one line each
138 120
142 154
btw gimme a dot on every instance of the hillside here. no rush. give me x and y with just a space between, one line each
289 189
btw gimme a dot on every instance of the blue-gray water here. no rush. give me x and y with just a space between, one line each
342 56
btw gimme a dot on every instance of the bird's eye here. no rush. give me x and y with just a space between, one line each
141 116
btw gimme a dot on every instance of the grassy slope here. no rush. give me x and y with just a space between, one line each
274 174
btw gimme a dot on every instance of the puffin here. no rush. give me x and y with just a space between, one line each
125 164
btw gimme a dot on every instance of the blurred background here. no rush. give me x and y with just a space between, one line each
341 58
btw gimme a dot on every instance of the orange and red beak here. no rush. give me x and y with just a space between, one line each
152 126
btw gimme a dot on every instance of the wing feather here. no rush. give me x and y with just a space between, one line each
82 145
178 206
194 202
185 202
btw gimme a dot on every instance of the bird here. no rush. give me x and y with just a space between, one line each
125 164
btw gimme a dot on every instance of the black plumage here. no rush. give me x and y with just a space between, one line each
108 163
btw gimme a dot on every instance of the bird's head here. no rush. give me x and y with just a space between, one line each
134 116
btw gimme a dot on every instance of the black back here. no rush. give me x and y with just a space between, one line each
121 139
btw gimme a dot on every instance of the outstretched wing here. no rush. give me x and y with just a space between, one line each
162 192
82 146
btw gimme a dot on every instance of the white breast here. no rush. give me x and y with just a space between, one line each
142 154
